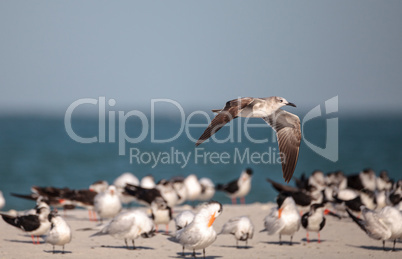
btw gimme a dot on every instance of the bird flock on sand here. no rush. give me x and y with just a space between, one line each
374 203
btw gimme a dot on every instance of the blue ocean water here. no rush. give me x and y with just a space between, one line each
38 150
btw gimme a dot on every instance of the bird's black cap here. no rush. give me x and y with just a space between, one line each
249 171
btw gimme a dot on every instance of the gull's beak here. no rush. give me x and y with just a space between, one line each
291 104
280 212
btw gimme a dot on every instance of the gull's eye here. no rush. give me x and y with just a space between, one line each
281 101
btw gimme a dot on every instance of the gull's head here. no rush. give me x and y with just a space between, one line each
280 102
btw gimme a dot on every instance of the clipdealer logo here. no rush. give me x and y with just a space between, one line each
107 120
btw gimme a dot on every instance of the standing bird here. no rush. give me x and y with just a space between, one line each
314 220
161 213
200 234
383 225
129 225
107 204
182 220
286 125
33 224
60 232
238 188
284 219
241 227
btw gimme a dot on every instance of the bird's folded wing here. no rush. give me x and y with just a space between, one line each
375 226
229 112
272 224
287 127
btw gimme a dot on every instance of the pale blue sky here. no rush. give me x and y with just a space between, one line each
200 53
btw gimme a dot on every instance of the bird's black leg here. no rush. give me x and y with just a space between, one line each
182 254
393 249
125 241
383 245
291 238
237 243
53 249
63 250
280 239
194 253
203 252
133 244
246 243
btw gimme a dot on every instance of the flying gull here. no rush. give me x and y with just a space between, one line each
286 125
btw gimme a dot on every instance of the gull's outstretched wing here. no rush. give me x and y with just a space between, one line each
228 113
288 132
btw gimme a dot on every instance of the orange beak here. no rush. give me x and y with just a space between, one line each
280 213
211 220
326 211
61 201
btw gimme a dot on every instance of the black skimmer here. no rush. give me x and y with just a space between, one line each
314 220
129 225
51 195
383 225
284 219
161 213
33 224
240 227
142 195
80 198
364 180
200 234
238 188
301 197
363 198
107 204
286 125
60 232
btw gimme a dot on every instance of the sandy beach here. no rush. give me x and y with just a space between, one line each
340 238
